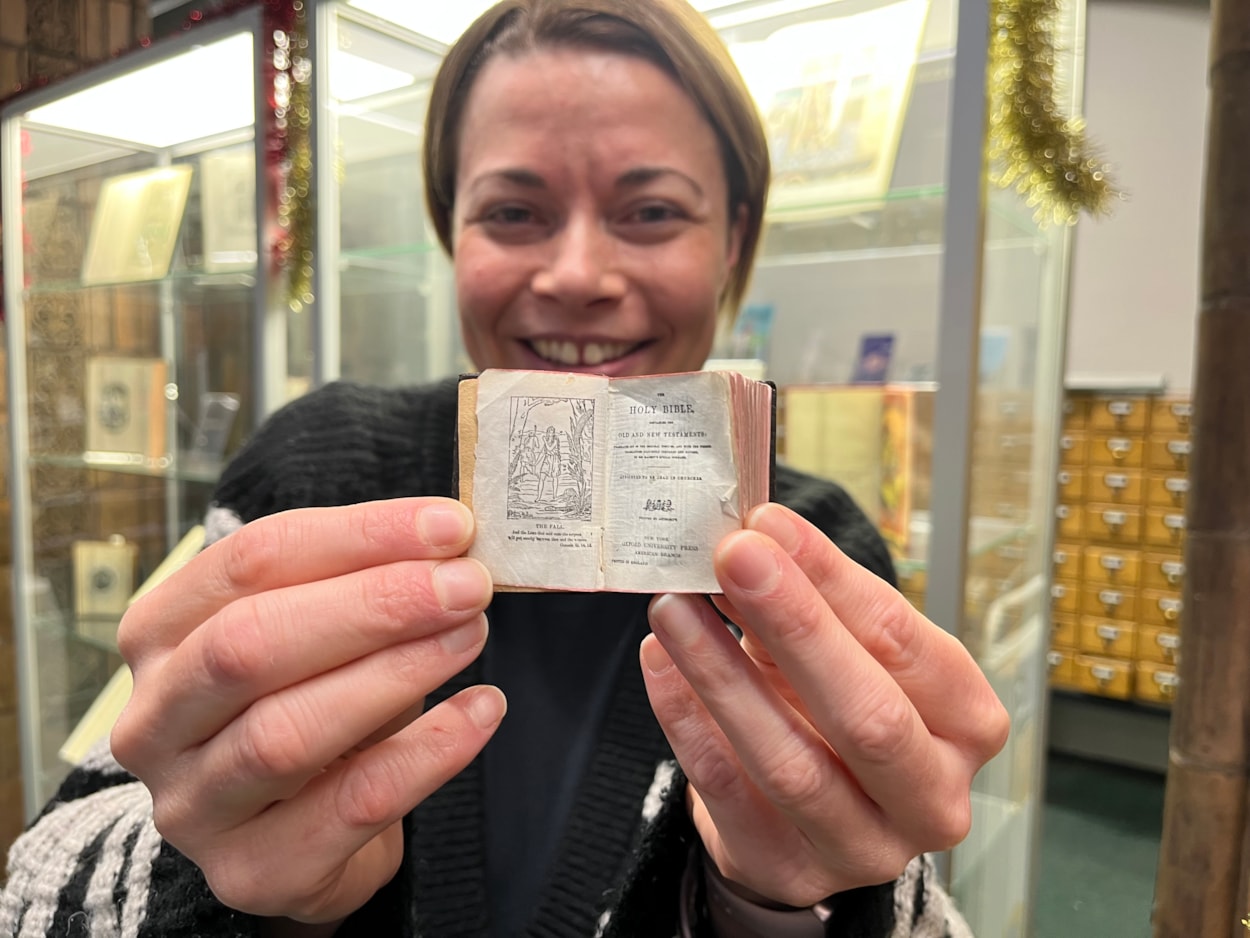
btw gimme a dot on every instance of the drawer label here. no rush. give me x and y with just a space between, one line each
1120 408
1110 597
1167 680
1180 447
1169 641
1173 569
1177 486
1175 522
1116 480
1171 608
1119 446
1112 562
1115 519
1102 673
1108 633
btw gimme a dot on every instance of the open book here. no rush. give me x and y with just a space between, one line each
582 482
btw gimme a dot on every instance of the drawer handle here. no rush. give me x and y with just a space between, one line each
1108 633
1119 448
1102 674
1167 682
1171 609
1115 520
1173 570
1054 659
1112 599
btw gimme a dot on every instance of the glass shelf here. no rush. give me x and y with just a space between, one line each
195 278
184 470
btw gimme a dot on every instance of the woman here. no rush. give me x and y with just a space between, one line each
313 691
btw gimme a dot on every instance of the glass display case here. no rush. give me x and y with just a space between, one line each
143 344
912 317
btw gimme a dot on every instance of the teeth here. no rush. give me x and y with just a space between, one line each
567 353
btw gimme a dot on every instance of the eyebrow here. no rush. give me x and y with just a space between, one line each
630 179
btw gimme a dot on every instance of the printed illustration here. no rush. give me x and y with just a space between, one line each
550 452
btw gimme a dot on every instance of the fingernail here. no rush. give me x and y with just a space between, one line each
673 615
751 565
654 658
461 584
778 524
487 707
464 637
443 523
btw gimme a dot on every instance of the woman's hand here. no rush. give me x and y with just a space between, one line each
280 678
839 739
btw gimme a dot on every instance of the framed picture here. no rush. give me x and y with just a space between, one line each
833 94
104 578
126 409
136 224
228 208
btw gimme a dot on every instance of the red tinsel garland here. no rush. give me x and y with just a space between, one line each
286 124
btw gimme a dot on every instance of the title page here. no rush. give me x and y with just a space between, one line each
672 484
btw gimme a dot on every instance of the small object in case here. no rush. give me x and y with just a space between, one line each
104 578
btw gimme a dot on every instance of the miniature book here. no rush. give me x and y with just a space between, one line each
582 482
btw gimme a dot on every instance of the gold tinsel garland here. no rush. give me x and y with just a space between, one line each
1031 144
292 99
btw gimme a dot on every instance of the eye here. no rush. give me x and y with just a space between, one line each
509 215
651 213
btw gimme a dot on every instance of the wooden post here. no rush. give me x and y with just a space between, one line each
1203 885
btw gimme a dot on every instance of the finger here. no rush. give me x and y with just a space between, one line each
851 699
783 754
289 548
929 664
267 641
320 847
727 807
271 751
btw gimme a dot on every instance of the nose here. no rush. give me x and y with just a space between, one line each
581 269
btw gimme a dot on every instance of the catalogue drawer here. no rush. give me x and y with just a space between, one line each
1111 566
1156 683
1066 559
1071 483
1170 453
1119 414
1164 570
1160 607
1112 524
1073 450
1116 451
1118 486
1171 415
1156 643
1107 677
1065 598
1075 414
1069 522
1107 602
1065 631
1166 489
1061 665
1163 528
1107 637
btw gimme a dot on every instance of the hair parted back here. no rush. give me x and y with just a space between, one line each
670 34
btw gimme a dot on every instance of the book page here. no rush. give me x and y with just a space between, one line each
672 489
538 482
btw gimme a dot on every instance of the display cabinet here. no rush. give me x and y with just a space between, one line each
142 342
916 316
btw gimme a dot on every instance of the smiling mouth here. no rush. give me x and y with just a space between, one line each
569 353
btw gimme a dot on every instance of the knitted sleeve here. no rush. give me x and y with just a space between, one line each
93 864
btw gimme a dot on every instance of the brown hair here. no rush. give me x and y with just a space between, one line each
670 34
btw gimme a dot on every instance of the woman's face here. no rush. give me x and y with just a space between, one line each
590 229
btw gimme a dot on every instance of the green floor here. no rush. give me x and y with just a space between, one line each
1100 845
